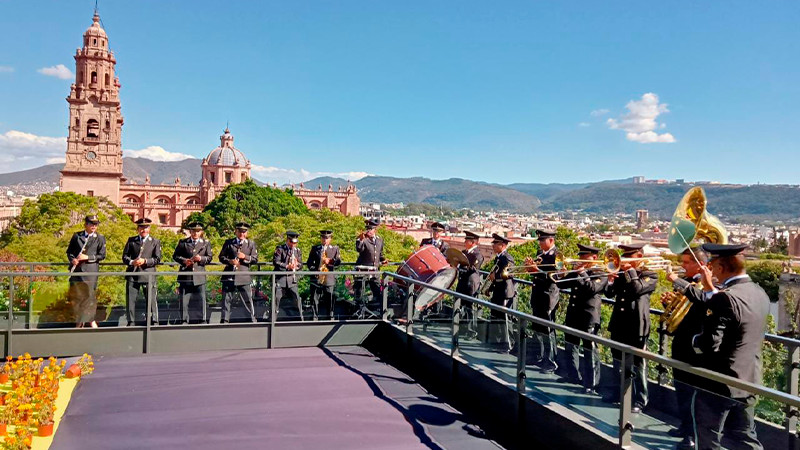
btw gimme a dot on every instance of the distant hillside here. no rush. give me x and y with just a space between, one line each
454 193
546 192
741 202
43 174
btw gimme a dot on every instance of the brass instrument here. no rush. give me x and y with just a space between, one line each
83 249
690 222
487 282
323 267
613 262
530 263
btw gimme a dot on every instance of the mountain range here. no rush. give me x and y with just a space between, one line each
753 202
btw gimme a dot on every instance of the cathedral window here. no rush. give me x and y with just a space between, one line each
108 79
92 128
244 177
94 77
162 219
228 177
162 201
94 41
212 177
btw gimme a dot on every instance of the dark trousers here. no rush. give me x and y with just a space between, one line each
684 393
81 295
230 292
500 324
322 301
714 412
469 317
132 291
545 338
589 373
290 305
193 303
639 375
374 286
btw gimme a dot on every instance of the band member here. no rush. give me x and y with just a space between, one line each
238 254
370 255
690 286
85 251
544 299
193 253
323 255
503 292
469 279
142 253
288 258
587 285
436 238
631 288
730 343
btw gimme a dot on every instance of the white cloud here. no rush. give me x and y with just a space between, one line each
639 123
288 176
6 69
599 112
584 124
22 150
56 160
156 153
60 71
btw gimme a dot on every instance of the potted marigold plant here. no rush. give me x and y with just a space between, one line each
5 373
5 420
20 439
84 366
47 411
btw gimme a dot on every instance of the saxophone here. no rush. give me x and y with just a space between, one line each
323 267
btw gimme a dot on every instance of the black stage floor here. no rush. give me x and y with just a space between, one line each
304 398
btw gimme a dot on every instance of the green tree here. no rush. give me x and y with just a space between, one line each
257 205
766 274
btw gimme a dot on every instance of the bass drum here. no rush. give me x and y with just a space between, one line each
427 265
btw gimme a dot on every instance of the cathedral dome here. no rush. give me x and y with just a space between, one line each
226 154
95 30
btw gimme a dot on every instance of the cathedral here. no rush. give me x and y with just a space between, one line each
93 165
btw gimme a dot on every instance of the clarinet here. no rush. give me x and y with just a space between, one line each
238 249
83 248
293 261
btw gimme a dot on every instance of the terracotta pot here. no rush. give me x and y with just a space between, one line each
2 429
73 371
3 378
45 430
2 399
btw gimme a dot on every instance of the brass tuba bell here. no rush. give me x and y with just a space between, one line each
691 222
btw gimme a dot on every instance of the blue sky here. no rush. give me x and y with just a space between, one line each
494 91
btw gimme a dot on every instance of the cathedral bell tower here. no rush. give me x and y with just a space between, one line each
94 140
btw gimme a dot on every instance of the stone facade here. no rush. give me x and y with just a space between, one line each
94 151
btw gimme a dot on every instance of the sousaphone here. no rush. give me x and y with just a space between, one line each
691 224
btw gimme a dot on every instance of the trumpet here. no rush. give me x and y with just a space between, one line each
531 263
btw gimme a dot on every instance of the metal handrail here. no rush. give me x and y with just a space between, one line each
755 389
255 273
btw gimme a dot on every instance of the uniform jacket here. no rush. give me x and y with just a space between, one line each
228 253
440 244
95 250
503 289
692 323
469 277
630 319
314 262
370 252
186 250
544 294
585 298
281 260
150 250
733 333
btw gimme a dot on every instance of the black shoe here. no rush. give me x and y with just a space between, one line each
637 409
687 443
590 391
549 368
677 432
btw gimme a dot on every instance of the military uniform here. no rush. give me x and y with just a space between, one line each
148 248
730 344
322 294
630 323
469 283
82 288
192 286
370 254
289 303
503 292
237 284
544 304
583 313
682 349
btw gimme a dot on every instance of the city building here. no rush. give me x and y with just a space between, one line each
93 164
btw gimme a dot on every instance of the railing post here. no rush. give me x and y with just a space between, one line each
147 313
522 347
792 377
273 312
30 295
625 399
410 309
662 350
384 300
9 347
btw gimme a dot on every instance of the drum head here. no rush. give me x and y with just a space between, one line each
425 297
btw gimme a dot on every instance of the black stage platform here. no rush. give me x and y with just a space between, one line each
303 398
